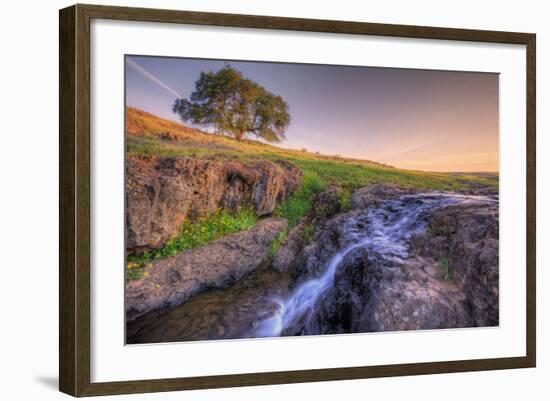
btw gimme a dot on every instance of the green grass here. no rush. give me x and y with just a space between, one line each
318 174
299 203
193 234
134 271
307 233
446 269
276 243
344 200
348 173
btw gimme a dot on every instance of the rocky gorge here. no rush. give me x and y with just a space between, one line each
395 258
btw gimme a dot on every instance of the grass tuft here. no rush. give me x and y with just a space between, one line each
344 200
307 233
300 202
276 243
446 269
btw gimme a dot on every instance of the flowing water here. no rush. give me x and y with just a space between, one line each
383 231
262 304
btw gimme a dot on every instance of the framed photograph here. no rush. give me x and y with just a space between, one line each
250 200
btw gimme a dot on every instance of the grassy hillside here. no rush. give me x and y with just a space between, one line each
148 134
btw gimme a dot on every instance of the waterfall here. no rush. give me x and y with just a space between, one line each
389 228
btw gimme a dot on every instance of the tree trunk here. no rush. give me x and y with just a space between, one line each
238 135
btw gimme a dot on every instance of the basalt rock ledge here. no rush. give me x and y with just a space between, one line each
164 191
171 281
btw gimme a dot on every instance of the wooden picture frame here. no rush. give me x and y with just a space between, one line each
75 207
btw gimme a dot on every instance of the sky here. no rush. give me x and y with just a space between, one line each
414 119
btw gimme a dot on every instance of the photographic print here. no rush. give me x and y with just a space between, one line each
267 199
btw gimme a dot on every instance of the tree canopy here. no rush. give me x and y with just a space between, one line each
234 105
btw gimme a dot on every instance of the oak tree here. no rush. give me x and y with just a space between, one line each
234 105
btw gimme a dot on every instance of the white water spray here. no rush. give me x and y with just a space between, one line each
389 229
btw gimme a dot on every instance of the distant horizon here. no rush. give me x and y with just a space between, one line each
277 145
386 115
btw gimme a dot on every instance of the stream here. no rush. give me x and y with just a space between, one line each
389 228
262 305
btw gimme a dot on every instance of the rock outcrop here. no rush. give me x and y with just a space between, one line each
164 191
398 260
371 196
285 257
465 239
171 281
229 313
368 296
448 279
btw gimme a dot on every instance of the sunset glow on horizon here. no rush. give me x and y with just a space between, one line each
427 120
